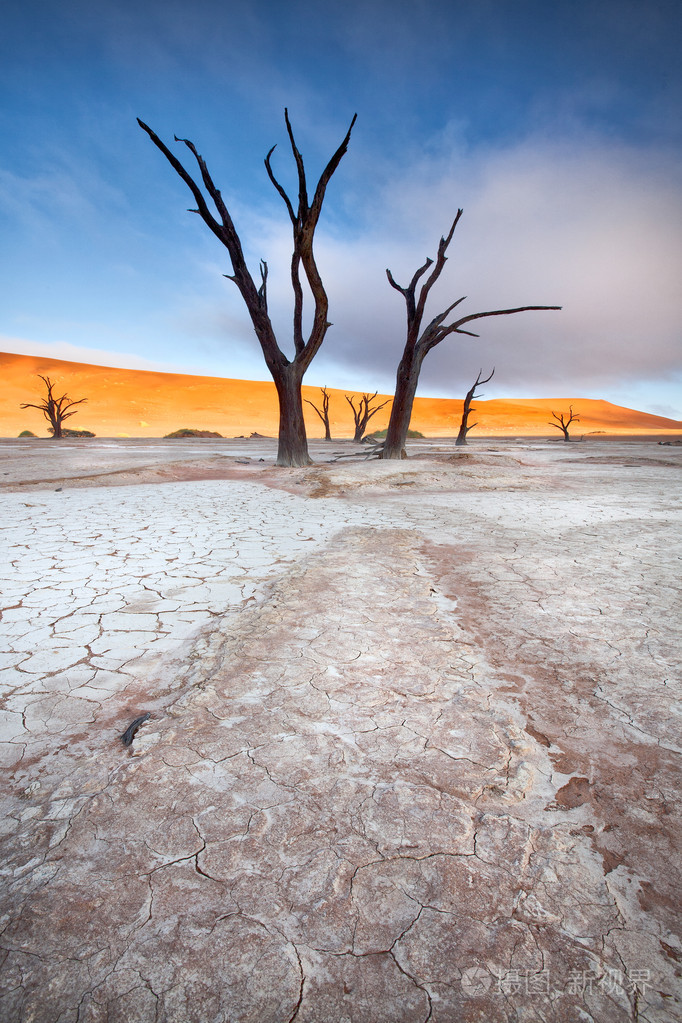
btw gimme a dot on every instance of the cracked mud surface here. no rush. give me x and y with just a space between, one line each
413 748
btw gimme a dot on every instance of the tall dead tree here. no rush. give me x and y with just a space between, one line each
563 424
287 374
467 410
364 413
55 410
419 342
323 413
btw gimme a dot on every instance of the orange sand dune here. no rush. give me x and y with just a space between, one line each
137 403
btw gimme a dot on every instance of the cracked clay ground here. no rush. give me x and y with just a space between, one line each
413 747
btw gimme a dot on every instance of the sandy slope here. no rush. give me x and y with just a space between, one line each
123 402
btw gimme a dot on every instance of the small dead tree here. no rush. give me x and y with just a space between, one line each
323 413
420 342
562 423
467 410
286 373
55 410
364 413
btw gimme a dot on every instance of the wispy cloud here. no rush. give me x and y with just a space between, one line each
67 352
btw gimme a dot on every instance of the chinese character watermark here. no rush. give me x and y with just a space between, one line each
477 981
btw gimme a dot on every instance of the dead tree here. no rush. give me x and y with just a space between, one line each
562 423
287 374
323 413
54 409
420 342
364 413
467 410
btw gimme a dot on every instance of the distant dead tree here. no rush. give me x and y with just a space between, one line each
364 412
420 342
287 374
467 410
562 423
54 409
323 413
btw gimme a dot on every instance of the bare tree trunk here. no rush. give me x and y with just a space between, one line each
364 413
360 425
462 435
467 410
54 409
407 379
463 426
419 342
323 413
292 448
563 423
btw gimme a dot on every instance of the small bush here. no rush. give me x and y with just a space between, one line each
192 433
26 433
413 434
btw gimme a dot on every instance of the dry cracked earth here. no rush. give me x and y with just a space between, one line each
412 751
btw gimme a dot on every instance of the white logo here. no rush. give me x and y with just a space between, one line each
475 981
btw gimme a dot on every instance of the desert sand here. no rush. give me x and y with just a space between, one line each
136 403
412 751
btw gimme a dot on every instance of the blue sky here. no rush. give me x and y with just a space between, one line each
556 126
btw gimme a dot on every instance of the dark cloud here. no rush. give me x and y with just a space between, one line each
594 229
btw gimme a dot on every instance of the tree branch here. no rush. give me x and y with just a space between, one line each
287 200
437 320
324 412
560 419
429 342
318 198
356 412
304 221
320 414
378 408
202 209
302 185
392 282
479 381
227 234
303 244
295 218
501 312
364 413
415 309
299 342
263 290
441 259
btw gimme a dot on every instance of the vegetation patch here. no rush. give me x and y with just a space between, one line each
192 433
414 434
